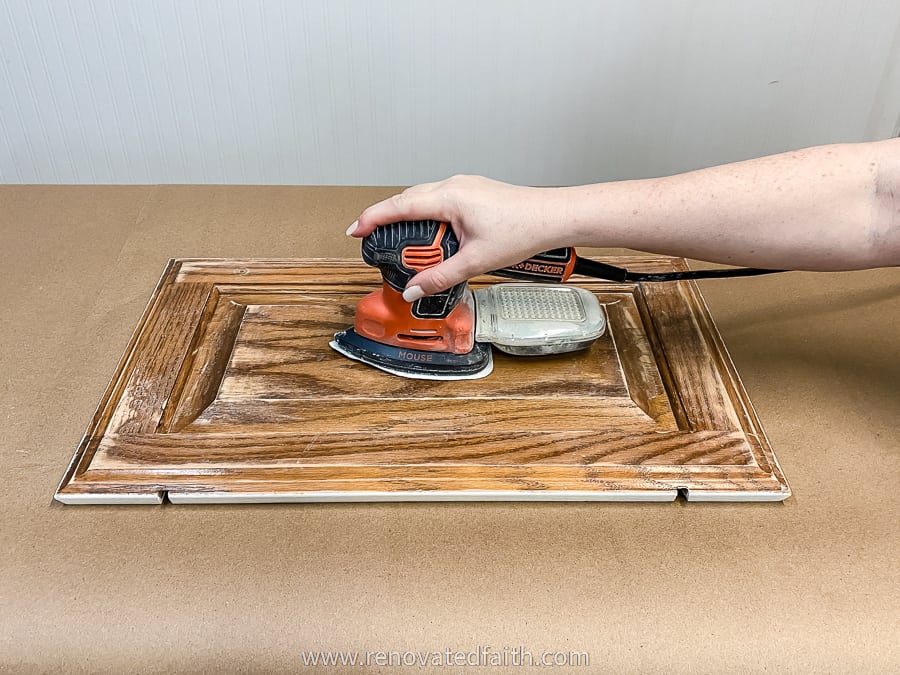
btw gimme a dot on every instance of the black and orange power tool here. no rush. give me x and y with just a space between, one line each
449 335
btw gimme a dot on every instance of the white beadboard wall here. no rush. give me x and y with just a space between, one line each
404 91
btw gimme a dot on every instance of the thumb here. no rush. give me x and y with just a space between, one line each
439 278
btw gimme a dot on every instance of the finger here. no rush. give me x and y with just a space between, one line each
439 278
405 206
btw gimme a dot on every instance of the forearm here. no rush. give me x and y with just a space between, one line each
824 208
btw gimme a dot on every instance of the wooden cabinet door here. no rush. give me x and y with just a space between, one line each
228 391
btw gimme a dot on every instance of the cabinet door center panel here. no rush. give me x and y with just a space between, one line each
270 366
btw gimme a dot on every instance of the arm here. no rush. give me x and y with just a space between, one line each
825 208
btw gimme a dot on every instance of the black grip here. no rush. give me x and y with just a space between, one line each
384 248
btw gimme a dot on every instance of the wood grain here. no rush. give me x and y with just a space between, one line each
229 388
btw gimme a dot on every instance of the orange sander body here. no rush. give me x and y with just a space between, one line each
449 335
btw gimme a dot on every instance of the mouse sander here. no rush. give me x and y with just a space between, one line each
448 335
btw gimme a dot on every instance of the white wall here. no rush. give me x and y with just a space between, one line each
344 92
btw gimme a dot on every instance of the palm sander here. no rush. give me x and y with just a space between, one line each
448 336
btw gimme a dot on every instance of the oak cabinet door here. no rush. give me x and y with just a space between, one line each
228 391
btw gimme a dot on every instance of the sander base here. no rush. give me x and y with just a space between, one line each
414 363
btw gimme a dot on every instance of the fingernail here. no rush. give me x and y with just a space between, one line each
352 228
413 293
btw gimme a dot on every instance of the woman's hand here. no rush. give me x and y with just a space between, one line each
497 224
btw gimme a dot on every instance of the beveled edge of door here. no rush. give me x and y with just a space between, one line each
90 434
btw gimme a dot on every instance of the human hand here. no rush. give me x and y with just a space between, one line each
497 224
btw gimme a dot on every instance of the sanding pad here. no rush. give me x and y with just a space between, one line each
414 363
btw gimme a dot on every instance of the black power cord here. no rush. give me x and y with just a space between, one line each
592 268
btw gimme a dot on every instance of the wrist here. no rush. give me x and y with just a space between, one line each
562 216
608 215
581 215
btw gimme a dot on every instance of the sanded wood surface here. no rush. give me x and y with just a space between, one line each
228 391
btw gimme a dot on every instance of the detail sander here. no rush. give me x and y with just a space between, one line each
448 336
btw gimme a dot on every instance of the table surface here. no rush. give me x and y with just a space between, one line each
811 584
